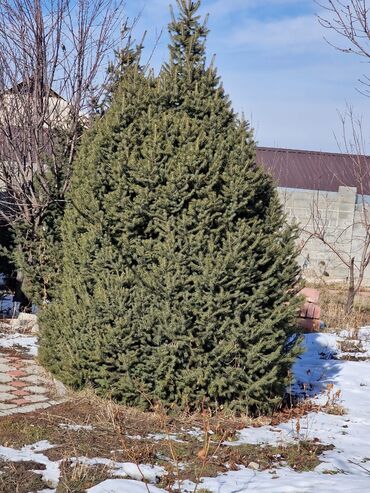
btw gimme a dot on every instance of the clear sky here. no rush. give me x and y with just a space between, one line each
275 65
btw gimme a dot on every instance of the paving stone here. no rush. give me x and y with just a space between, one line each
19 402
18 364
29 408
6 396
4 367
5 388
18 383
29 362
4 378
35 398
54 403
17 373
5 406
36 389
35 379
24 385
20 392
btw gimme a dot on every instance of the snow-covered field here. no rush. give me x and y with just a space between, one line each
347 467
322 375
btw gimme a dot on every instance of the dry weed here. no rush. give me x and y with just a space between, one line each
332 303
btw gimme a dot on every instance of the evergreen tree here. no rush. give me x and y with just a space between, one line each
179 268
125 58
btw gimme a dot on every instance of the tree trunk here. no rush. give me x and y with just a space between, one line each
350 300
19 294
351 293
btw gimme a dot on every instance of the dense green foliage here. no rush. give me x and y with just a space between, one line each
37 252
179 269
38 255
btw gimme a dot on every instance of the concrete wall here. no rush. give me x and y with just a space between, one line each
341 218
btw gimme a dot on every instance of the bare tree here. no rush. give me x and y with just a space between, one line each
349 20
350 246
54 57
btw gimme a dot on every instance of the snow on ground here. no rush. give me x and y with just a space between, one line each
28 343
320 374
285 481
347 467
67 426
50 474
124 486
125 469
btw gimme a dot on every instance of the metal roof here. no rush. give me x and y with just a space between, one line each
313 170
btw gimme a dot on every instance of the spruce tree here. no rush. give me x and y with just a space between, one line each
179 268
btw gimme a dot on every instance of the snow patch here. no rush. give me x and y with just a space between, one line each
50 474
67 426
125 469
124 486
29 343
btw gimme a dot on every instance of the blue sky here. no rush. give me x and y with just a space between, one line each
275 65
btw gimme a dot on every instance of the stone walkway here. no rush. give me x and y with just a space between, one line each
24 385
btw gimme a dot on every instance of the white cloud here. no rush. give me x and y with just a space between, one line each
225 7
292 32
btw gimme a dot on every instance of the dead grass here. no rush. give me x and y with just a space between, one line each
18 477
332 302
103 440
76 478
351 346
353 357
336 409
300 456
16 433
125 435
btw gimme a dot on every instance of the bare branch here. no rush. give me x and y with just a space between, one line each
350 21
53 60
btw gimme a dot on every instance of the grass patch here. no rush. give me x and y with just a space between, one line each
301 456
18 477
353 357
332 302
335 409
189 447
351 346
76 478
19 432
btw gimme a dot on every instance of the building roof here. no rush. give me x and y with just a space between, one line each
313 170
28 86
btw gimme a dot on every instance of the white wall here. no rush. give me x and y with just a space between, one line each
341 216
